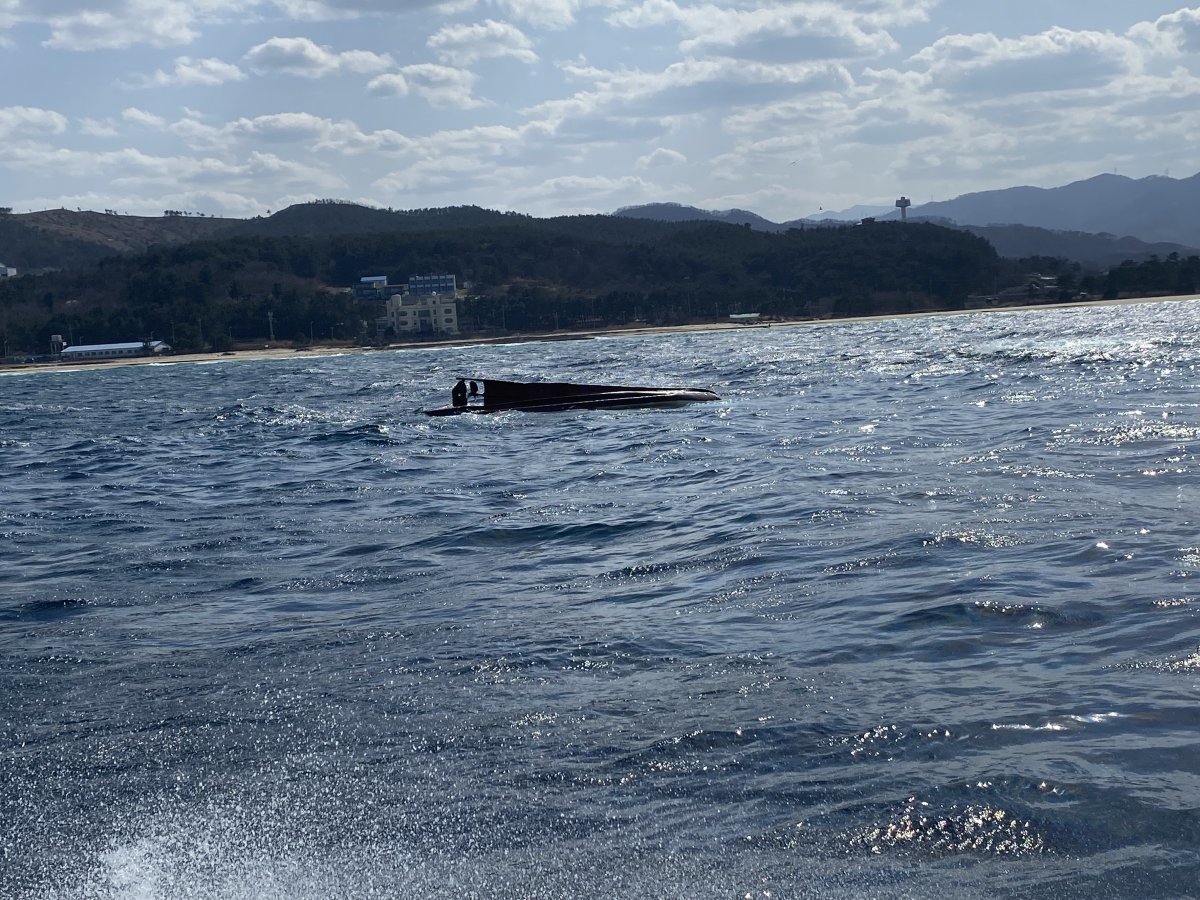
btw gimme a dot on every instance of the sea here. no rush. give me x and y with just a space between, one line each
911 611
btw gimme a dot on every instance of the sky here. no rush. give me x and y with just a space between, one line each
561 107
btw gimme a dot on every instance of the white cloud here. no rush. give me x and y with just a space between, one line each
19 121
585 193
767 33
137 172
298 127
307 59
548 14
432 174
9 17
698 85
462 45
1055 60
119 24
1176 34
333 10
312 132
188 71
391 85
440 86
143 118
660 157
102 128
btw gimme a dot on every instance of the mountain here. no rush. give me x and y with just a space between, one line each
1151 209
323 218
853 214
63 238
1099 222
675 212
1092 251
1014 241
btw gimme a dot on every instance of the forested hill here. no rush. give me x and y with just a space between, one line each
64 238
67 239
522 275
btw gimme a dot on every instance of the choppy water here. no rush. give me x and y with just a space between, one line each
912 610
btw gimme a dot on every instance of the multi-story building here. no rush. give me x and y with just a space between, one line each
423 314
432 284
426 306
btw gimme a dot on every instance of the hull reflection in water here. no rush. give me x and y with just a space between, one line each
557 396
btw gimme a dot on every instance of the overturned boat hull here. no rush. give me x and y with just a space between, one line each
548 396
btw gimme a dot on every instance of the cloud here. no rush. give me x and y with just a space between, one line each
311 133
469 161
392 84
584 193
141 117
440 86
703 85
119 24
139 172
432 174
295 127
102 128
660 157
307 130
307 59
1176 34
191 72
548 14
581 125
18 121
462 45
1053 61
769 33
333 10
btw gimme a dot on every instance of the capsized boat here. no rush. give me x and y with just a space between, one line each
555 396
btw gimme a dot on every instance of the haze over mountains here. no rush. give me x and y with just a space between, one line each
1099 221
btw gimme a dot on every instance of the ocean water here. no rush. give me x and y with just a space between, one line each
912 610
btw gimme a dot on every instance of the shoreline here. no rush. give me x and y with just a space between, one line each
549 337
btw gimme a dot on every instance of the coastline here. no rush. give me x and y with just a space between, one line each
299 352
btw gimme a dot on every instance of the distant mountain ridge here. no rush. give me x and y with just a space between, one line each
1101 221
1153 209
1097 251
1098 222
677 212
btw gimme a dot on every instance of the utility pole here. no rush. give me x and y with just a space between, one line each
271 323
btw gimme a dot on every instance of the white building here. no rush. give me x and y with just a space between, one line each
7 271
422 314
89 352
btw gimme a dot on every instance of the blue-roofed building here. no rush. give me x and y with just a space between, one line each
375 287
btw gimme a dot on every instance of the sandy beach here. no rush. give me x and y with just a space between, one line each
268 352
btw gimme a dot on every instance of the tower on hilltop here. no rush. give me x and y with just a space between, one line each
903 204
